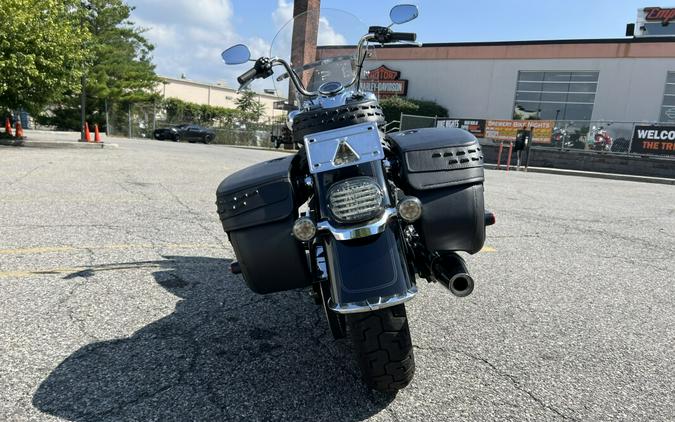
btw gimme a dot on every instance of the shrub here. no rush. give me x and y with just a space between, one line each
394 106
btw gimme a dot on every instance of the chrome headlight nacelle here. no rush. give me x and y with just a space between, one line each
355 200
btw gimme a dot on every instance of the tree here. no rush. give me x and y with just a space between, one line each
394 106
41 52
250 106
119 70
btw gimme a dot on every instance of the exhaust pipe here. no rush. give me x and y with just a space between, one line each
450 270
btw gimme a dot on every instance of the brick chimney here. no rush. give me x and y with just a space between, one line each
305 32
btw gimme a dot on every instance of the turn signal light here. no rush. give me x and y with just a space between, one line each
304 229
409 209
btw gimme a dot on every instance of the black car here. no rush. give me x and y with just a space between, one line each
190 133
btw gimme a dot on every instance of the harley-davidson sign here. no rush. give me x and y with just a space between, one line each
384 82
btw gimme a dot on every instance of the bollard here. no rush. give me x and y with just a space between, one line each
508 161
499 155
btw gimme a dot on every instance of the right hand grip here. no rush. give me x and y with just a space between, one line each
250 74
404 36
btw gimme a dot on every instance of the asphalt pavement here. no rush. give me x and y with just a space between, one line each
116 303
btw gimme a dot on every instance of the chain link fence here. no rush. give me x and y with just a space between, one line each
610 137
410 121
601 136
140 120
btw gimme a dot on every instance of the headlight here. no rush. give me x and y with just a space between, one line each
355 199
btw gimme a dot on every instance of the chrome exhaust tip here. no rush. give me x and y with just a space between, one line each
450 270
461 285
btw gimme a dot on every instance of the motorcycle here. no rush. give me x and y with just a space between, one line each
601 139
356 214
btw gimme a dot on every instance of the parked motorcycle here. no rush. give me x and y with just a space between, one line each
380 208
601 139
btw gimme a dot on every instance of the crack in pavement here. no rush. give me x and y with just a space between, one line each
511 378
195 214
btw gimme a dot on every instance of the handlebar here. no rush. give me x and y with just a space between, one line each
248 76
263 66
403 36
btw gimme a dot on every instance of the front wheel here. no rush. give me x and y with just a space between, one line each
383 348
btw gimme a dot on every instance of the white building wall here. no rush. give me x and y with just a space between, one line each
628 89
215 95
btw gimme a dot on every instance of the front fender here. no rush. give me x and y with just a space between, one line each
369 273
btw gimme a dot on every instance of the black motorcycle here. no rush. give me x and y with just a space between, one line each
377 209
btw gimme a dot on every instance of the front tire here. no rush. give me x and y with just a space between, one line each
383 348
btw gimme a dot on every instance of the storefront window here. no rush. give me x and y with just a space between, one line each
668 106
555 95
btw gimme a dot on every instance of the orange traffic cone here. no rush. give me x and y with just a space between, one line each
87 134
8 127
97 135
19 130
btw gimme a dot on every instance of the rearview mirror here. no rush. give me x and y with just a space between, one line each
403 13
237 54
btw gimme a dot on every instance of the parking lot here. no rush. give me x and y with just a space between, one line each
116 303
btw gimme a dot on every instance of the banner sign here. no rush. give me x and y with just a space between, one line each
384 82
659 140
475 126
506 130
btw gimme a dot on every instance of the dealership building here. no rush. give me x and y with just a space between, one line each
628 79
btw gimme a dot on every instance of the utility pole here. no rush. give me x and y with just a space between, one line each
107 123
83 107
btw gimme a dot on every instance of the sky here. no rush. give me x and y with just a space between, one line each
189 35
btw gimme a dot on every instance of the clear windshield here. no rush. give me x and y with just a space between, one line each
334 32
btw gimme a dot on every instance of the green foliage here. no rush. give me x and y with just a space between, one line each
250 106
178 111
118 69
394 106
41 52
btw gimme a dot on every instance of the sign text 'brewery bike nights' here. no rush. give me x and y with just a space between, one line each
506 130
658 140
385 82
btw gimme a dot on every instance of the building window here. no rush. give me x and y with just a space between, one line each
555 95
668 106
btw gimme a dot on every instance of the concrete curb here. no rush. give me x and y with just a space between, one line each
591 174
11 142
59 144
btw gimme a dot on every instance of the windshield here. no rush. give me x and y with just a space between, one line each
336 36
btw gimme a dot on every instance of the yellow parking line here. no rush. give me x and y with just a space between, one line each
37 250
488 249
50 249
73 270
10 274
